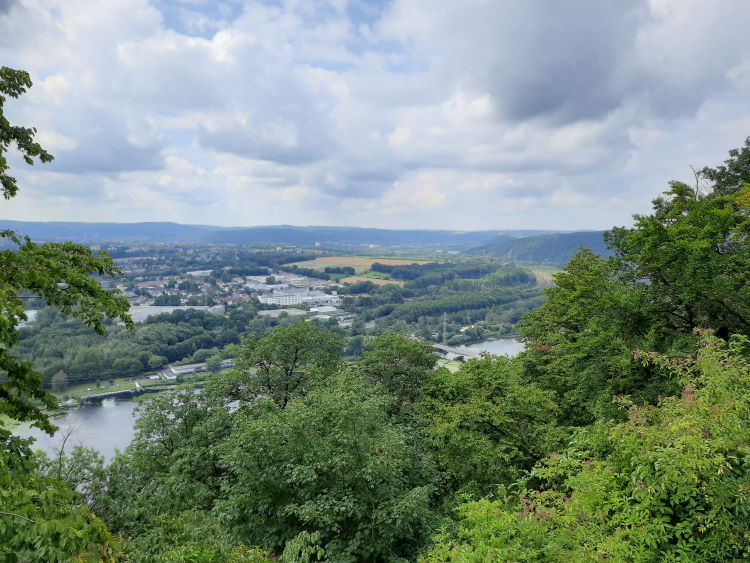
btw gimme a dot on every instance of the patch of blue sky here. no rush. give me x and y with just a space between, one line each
197 18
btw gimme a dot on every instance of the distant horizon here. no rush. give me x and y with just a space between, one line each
231 227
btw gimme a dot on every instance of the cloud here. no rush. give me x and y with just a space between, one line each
411 113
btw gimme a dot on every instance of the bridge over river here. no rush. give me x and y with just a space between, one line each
457 353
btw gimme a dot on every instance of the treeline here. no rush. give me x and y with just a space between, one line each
345 270
424 275
475 309
57 344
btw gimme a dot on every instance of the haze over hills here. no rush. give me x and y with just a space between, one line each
289 234
550 248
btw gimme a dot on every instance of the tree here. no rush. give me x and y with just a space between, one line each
691 258
58 273
733 174
333 464
399 365
59 382
13 83
156 362
40 519
213 364
487 426
172 464
282 365
270 280
580 343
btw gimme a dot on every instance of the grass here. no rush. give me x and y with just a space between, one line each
377 275
120 384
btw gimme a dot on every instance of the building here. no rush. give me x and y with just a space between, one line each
283 299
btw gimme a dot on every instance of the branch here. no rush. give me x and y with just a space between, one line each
18 516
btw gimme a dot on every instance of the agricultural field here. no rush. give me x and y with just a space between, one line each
361 264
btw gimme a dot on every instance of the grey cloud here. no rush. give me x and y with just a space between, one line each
567 61
262 142
6 5
366 181
102 146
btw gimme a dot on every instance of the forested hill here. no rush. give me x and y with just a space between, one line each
289 234
553 248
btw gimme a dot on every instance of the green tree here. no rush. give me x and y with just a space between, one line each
488 426
580 343
399 365
691 259
40 518
14 83
61 274
59 382
156 362
330 463
170 466
192 535
213 364
733 174
282 365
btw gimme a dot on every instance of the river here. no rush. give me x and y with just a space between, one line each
109 426
502 347
105 427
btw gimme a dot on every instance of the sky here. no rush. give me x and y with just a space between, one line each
437 114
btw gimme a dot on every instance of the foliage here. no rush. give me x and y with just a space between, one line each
58 273
59 344
13 83
329 463
191 536
282 365
41 519
691 259
669 484
488 427
581 341
59 382
172 463
213 364
733 174
399 366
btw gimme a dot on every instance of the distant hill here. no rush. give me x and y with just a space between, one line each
56 231
281 234
555 248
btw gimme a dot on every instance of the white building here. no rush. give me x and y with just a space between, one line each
280 299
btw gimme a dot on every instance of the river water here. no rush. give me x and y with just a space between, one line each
110 426
105 427
502 347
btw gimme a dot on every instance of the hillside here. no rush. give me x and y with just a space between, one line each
555 248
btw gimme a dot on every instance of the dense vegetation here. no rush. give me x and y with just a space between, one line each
552 248
479 301
620 434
